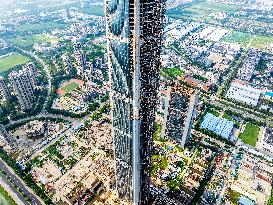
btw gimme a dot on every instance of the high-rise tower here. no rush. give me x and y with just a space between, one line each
31 69
134 31
4 89
23 88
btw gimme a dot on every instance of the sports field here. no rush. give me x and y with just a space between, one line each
238 37
11 61
30 40
248 40
69 86
250 134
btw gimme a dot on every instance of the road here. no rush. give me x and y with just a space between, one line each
13 192
19 183
75 124
244 112
70 130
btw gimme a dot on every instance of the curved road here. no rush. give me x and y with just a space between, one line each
19 183
42 115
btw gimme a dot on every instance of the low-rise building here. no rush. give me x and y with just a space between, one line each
218 125
244 93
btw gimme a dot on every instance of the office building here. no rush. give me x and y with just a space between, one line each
23 88
4 89
134 33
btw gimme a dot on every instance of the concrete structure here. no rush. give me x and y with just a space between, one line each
6 140
35 129
244 93
180 114
267 139
245 201
254 179
134 35
23 88
81 62
4 89
166 102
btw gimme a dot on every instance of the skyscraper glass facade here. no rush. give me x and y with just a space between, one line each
134 30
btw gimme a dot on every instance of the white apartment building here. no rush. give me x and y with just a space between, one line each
33 73
4 89
23 88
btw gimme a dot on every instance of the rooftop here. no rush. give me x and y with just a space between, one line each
218 125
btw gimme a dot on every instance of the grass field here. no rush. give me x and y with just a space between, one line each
201 11
238 37
39 26
250 134
246 39
30 40
262 41
42 38
70 87
11 61
173 72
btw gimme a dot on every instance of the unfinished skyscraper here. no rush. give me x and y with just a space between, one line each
134 31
